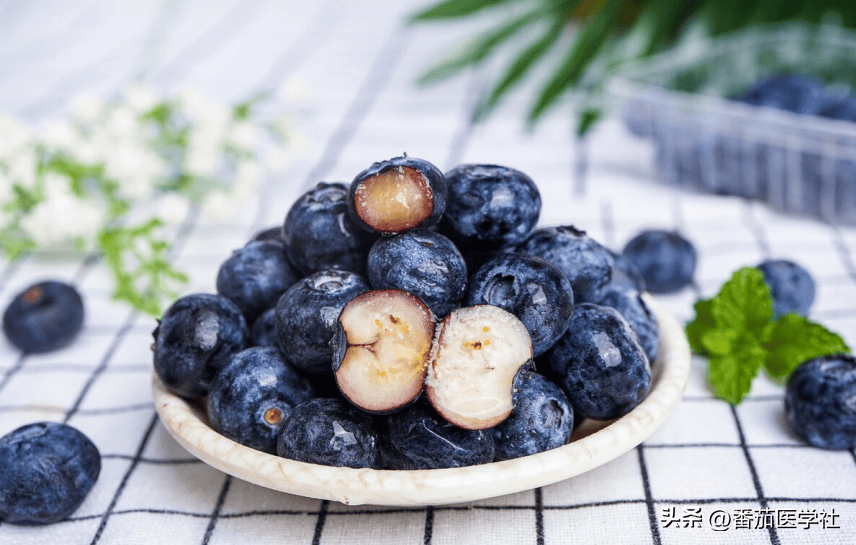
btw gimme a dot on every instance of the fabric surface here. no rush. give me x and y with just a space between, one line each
710 474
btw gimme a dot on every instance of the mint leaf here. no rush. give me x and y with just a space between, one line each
744 303
795 339
703 321
730 375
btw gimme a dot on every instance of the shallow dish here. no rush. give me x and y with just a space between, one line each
594 444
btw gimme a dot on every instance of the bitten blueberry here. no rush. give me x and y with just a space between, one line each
490 206
423 263
307 314
319 234
329 432
47 470
398 195
791 286
195 338
255 276
600 364
252 395
542 419
586 263
820 401
44 317
666 260
418 438
532 289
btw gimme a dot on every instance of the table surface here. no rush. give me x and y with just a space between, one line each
712 474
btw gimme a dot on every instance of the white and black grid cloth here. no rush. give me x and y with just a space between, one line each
712 474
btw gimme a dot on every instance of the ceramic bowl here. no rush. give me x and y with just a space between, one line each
593 444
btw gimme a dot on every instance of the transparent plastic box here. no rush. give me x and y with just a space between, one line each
799 164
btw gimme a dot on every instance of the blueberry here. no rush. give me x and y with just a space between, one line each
47 470
490 206
263 330
542 419
666 260
418 438
586 263
820 401
791 286
397 195
633 308
535 291
842 108
319 234
600 364
44 317
795 93
329 432
625 273
423 263
271 233
255 276
307 314
251 396
195 338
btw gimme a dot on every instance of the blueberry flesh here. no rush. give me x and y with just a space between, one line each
263 330
44 317
490 206
418 438
197 336
586 263
319 234
329 432
820 401
630 304
48 469
255 276
791 286
666 260
532 289
600 364
542 419
252 395
424 263
398 195
307 317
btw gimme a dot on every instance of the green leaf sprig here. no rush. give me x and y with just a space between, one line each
737 333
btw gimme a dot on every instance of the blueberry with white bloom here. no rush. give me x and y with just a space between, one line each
791 286
666 259
820 401
44 317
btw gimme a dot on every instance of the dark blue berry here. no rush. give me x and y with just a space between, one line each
630 304
307 317
197 336
329 432
625 273
423 263
600 364
252 395
795 93
791 286
263 330
490 206
535 291
398 195
271 233
418 438
666 260
542 418
319 234
255 276
586 263
47 470
820 401
44 317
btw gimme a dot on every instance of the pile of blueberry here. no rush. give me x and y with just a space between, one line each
414 320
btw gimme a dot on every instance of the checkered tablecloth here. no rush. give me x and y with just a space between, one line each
712 474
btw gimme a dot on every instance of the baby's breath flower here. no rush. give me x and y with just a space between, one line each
218 206
13 135
141 98
22 167
173 208
60 136
86 107
295 89
278 161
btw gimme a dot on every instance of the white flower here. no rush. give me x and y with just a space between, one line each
218 206
62 216
244 135
247 178
206 113
134 167
22 167
86 107
57 185
123 123
202 160
13 135
295 89
141 98
60 135
173 208
6 189
278 160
